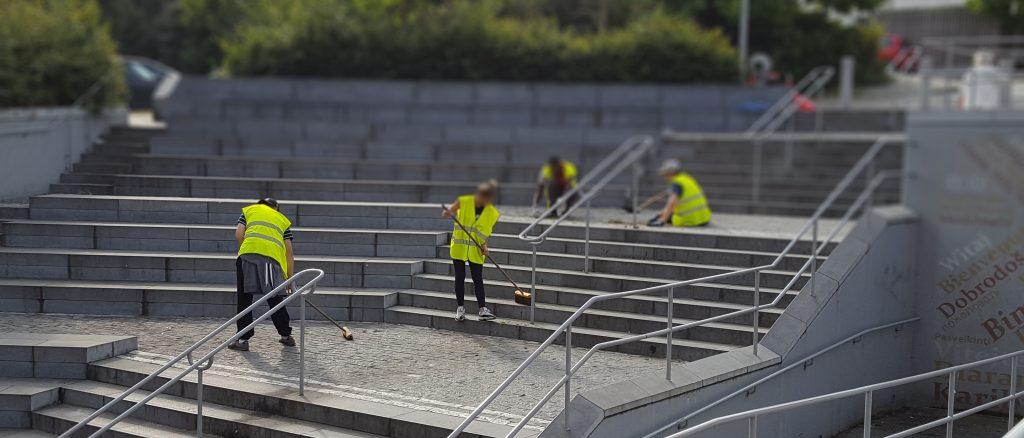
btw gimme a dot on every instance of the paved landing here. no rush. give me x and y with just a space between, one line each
753 225
443 371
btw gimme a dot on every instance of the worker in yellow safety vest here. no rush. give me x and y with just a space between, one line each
477 214
556 178
686 205
265 260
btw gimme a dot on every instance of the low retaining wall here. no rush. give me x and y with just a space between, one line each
867 281
36 146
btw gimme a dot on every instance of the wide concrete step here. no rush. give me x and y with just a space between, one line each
128 298
622 322
13 211
708 299
191 267
57 356
83 188
362 215
642 252
214 238
219 420
629 267
57 419
19 397
610 282
356 190
329 409
683 349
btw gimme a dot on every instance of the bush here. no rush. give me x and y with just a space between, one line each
52 51
466 40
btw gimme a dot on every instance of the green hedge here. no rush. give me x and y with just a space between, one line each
466 40
52 51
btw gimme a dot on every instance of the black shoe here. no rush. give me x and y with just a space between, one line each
239 345
288 341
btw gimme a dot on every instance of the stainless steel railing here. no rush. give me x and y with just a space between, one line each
868 391
682 422
905 60
628 154
206 361
781 112
864 165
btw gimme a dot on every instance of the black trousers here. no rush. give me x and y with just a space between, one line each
282 322
556 191
477 271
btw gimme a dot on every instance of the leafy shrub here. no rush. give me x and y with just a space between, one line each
53 51
466 40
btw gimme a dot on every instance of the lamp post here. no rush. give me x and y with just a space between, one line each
744 37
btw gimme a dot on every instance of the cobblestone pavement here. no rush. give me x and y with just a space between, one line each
390 361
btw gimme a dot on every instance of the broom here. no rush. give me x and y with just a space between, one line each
521 296
345 332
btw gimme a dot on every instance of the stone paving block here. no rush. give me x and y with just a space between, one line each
59 370
10 419
15 368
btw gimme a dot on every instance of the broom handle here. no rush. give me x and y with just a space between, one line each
478 245
315 307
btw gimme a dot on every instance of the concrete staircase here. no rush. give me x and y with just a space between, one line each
103 367
173 256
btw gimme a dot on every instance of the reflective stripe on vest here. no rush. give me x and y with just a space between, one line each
264 234
692 209
479 227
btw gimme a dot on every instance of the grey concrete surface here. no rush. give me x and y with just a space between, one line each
392 363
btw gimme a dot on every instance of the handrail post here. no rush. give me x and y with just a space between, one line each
586 244
668 341
814 252
757 303
199 403
533 285
869 174
752 427
302 345
636 192
867 413
950 403
568 373
1013 392
755 176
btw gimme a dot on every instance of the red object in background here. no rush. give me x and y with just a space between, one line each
804 104
890 46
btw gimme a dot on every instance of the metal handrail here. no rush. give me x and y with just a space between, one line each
868 392
566 327
904 60
206 360
779 112
682 422
625 155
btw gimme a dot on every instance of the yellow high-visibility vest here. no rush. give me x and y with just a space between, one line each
264 234
571 174
692 207
479 227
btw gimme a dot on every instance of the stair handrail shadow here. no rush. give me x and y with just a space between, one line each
206 361
863 165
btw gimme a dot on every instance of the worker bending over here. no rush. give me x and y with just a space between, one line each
557 177
477 214
686 205
265 260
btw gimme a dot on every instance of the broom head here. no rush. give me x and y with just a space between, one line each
523 297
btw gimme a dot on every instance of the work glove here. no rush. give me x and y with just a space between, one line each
655 222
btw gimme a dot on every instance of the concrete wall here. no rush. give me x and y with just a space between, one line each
964 177
866 282
35 148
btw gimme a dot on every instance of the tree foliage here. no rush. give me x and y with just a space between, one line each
53 51
1009 13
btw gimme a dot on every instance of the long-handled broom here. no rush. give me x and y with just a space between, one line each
345 332
520 296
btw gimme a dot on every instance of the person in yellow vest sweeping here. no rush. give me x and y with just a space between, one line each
265 260
477 214
686 205
556 177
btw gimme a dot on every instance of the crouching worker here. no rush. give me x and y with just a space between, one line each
265 260
477 214
557 177
686 205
